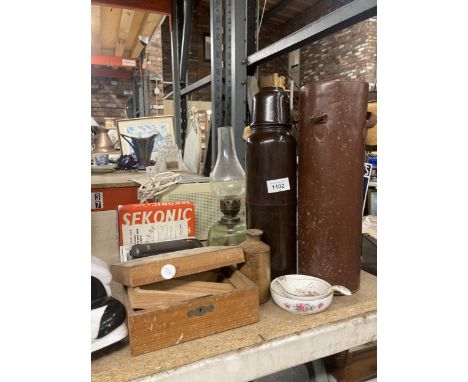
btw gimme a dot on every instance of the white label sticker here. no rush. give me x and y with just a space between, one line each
278 185
97 200
168 271
154 233
128 62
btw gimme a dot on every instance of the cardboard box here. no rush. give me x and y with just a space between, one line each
153 223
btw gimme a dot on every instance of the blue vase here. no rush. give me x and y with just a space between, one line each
142 147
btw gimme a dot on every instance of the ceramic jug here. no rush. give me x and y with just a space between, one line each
103 143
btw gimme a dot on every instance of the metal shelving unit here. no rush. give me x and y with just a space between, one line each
233 26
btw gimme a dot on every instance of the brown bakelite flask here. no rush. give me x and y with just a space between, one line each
271 177
330 199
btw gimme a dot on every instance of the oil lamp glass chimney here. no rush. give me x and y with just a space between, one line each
227 182
228 177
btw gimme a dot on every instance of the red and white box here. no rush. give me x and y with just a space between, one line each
153 223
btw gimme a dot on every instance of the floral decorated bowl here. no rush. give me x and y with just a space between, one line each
302 305
303 287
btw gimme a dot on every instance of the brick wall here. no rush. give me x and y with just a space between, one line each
350 54
109 96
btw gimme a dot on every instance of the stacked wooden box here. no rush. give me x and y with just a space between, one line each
184 295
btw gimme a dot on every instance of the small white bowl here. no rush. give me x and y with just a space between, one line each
302 305
303 287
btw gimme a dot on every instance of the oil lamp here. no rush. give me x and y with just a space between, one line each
227 182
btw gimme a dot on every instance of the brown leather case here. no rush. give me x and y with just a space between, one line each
331 159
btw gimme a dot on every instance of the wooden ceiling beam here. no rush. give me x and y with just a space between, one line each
136 45
96 29
158 6
110 21
124 29
148 26
133 33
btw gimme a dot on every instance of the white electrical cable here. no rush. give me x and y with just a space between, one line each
157 184
261 19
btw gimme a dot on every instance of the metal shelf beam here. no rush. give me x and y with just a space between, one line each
343 17
205 81
175 73
186 34
238 68
217 69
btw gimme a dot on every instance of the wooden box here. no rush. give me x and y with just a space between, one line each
184 295
358 364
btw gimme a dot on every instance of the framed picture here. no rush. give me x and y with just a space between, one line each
145 127
207 47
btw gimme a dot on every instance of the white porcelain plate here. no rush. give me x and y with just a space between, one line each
103 169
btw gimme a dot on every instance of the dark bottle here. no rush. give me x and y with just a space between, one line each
270 154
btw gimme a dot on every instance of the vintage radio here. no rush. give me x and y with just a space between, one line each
207 210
